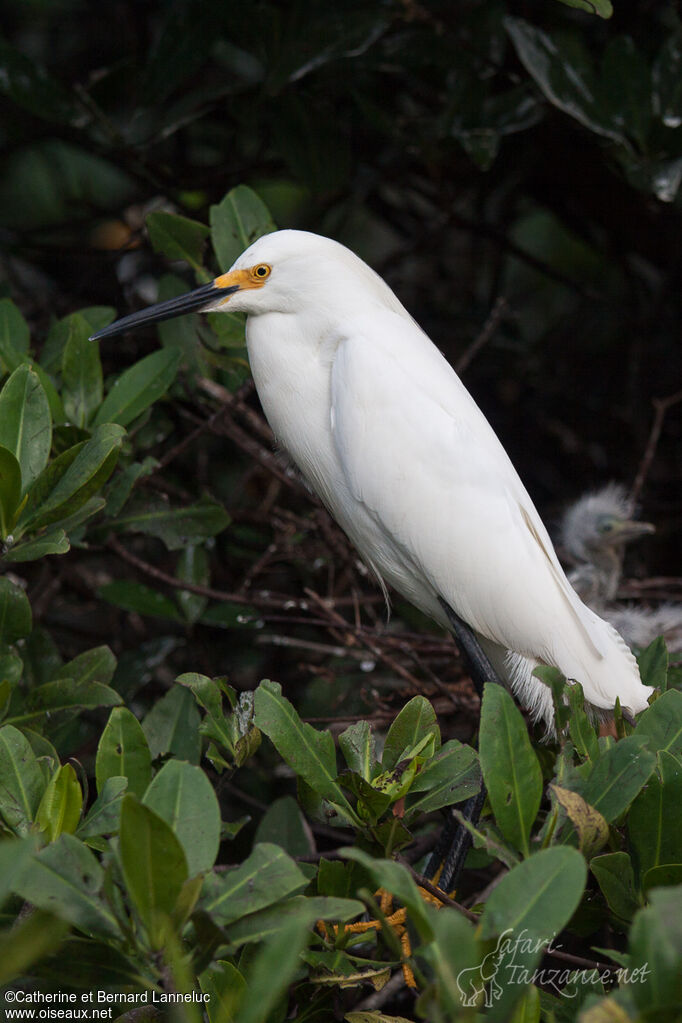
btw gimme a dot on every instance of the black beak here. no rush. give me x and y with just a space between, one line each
194 301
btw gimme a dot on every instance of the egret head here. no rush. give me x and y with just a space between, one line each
280 272
600 523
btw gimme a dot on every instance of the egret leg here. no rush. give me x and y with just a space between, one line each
455 841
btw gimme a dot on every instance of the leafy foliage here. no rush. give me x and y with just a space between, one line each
151 541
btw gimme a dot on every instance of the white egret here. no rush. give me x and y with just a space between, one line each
386 434
594 533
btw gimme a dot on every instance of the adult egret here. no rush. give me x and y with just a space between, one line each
389 438
594 533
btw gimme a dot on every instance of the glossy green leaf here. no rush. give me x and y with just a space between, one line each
64 694
154 866
510 767
527 909
14 335
661 724
60 808
10 491
397 880
193 567
172 726
453 956
358 747
14 856
183 796
618 776
176 527
137 597
655 821
602 8
449 777
237 221
265 923
309 753
565 76
73 481
139 387
415 721
15 612
123 752
95 665
226 987
81 373
616 879
66 879
25 423
177 237
582 731
283 824
54 542
82 959
104 814
265 877
655 944
653 664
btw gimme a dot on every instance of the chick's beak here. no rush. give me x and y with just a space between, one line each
631 529
203 299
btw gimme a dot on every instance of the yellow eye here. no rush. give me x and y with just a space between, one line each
261 272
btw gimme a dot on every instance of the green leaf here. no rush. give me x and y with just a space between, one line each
10 491
666 875
616 879
510 767
592 829
415 721
177 237
283 824
14 335
397 880
236 222
72 479
64 694
60 808
139 387
226 987
618 776
14 856
95 665
21 780
653 664
137 597
267 922
193 567
176 527
30 87
661 724
564 74
80 960
27 942
602 8
654 821
183 796
15 612
265 877
655 943
55 542
272 970
581 729
153 864
309 753
449 777
172 726
104 814
66 879
81 373
527 909
358 748
25 423
452 951
123 752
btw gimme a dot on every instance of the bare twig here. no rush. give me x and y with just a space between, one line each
495 317
661 406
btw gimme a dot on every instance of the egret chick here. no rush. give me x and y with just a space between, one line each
594 532
389 438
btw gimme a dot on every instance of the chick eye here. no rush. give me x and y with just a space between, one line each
262 271
605 527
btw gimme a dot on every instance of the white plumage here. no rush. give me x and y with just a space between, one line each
389 438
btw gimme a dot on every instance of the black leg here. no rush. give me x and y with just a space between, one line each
455 841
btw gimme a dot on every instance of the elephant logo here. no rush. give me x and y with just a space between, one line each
479 980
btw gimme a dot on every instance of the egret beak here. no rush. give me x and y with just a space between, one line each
210 296
628 530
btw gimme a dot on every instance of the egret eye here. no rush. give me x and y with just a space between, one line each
262 271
